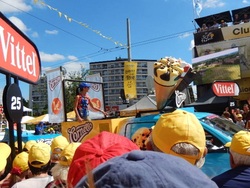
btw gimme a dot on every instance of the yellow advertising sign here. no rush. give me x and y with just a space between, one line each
236 31
129 77
80 131
244 88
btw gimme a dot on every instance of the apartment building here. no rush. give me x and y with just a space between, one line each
112 73
38 98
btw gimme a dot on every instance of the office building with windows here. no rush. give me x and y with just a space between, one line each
38 97
112 73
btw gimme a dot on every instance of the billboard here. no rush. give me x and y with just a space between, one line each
18 54
223 65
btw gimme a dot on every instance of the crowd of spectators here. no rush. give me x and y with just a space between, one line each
175 152
240 117
222 23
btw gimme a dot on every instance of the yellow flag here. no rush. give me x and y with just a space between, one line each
129 78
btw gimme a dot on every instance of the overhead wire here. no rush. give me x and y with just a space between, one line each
102 50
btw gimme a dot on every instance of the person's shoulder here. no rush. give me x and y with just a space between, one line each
34 182
239 171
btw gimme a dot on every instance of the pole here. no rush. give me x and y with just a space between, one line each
128 40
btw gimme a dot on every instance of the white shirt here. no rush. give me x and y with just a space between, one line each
34 182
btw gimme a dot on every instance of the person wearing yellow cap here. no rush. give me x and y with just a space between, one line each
60 170
28 145
179 133
57 145
39 163
239 174
5 151
239 120
19 171
16 146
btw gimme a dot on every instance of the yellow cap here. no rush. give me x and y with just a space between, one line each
4 154
59 142
16 145
68 153
239 116
39 155
241 143
28 145
20 162
179 127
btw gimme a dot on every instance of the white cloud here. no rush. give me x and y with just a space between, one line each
191 45
51 57
19 23
185 35
74 66
35 35
245 2
72 58
213 4
51 32
11 6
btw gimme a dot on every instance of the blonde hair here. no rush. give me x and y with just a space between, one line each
60 172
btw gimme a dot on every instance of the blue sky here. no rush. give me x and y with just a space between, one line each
72 33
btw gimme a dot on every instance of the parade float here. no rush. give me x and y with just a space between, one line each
171 77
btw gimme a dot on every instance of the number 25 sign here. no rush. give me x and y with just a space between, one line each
13 103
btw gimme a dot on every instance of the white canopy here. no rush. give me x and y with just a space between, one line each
146 103
25 109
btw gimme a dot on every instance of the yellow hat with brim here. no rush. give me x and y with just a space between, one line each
241 143
20 162
5 151
39 155
179 127
59 142
68 153
28 145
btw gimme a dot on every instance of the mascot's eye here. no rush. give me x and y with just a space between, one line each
143 134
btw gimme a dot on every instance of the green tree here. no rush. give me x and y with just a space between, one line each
75 78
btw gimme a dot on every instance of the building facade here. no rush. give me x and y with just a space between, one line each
38 97
112 73
222 53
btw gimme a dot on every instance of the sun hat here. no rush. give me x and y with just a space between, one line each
68 153
95 151
84 84
4 154
16 145
20 163
240 143
58 144
179 127
146 169
28 145
39 155
239 116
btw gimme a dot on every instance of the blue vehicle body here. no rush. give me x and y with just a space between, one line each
219 131
29 135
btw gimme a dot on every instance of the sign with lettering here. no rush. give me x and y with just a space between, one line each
18 54
13 103
225 89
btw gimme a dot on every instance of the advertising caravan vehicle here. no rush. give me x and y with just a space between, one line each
218 131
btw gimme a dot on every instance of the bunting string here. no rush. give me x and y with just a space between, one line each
70 19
